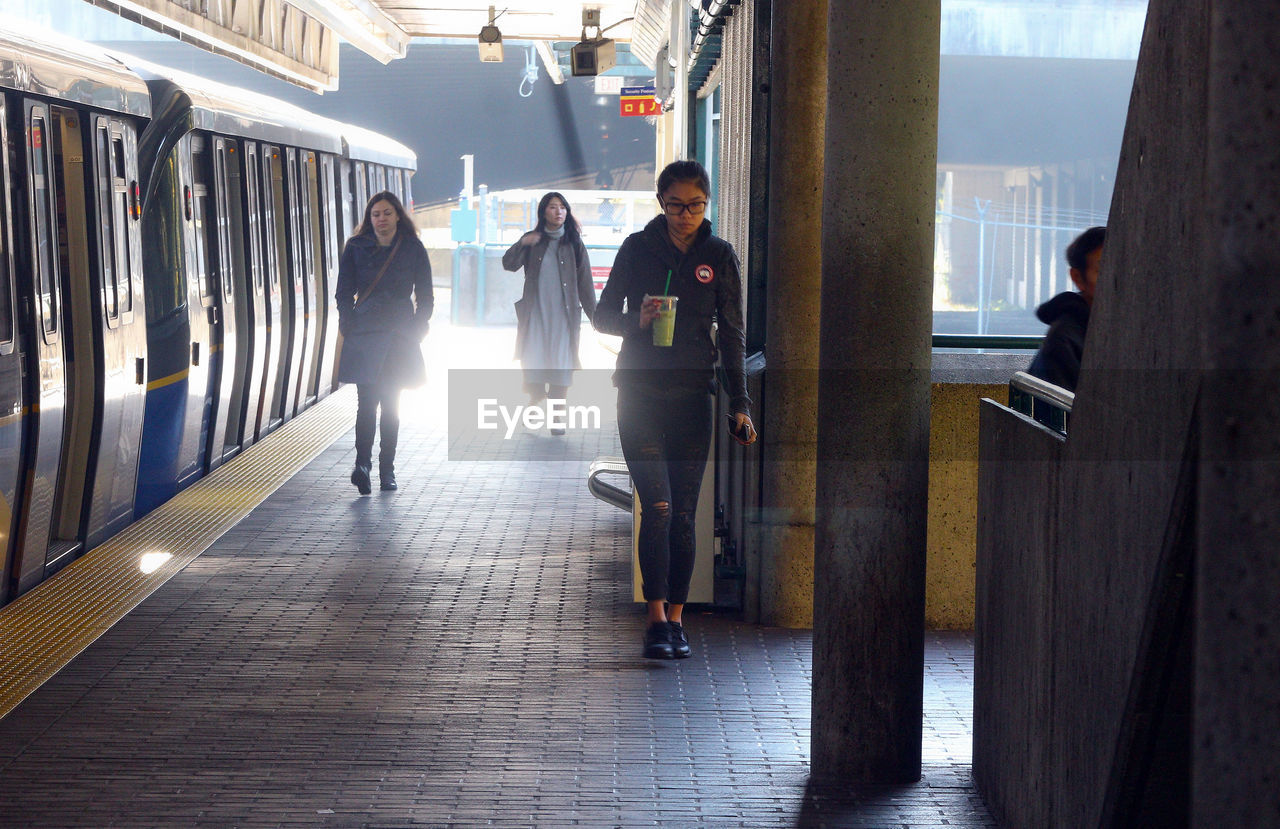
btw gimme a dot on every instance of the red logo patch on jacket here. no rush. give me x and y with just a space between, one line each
704 274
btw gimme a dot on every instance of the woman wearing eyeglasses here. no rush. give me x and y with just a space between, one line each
665 390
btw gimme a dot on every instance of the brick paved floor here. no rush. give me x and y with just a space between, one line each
463 652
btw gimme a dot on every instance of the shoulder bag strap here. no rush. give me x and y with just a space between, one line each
378 278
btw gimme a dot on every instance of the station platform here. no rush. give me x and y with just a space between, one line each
462 652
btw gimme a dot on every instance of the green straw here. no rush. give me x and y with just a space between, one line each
668 286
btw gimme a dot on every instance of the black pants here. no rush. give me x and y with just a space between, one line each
665 434
371 397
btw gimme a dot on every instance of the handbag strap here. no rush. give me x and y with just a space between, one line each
378 278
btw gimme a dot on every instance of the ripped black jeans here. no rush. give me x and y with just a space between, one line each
665 434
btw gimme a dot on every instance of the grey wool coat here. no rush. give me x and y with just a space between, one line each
575 276
380 338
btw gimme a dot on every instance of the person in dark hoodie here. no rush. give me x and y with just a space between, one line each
1067 314
664 391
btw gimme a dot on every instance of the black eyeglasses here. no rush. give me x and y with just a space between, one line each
694 208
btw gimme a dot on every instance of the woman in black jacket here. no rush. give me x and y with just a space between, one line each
384 300
557 289
664 391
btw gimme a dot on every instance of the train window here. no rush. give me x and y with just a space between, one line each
277 242
120 186
107 247
254 197
361 191
200 211
293 219
41 203
353 205
311 215
225 182
6 275
329 224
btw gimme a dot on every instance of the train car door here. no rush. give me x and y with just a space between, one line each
332 228
232 282
313 283
219 314
257 282
202 311
296 304
277 259
116 305
45 375
11 357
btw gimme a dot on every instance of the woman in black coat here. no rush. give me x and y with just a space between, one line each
557 289
384 300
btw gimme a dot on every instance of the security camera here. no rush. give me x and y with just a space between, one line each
490 44
592 57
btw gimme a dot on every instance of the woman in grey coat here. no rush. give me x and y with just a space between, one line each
557 289
384 301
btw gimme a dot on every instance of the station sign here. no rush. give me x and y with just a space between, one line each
638 101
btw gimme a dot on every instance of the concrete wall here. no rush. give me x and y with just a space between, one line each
1105 519
1013 654
959 381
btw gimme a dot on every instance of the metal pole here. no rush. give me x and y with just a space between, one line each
982 208
482 237
468 176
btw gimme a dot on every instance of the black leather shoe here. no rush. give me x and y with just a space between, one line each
388 481
657 642
360 477
679 642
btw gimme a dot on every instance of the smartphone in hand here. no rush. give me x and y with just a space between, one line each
741 434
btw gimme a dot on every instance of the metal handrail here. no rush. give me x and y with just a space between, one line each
1024 390
1056 396
609 493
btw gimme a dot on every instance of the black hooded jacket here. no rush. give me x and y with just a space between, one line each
709 286
1058 360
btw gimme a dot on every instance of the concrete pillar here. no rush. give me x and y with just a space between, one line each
1236 743
789 430
873 416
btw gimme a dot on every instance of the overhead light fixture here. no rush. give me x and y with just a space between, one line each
593 55
491 41
549 61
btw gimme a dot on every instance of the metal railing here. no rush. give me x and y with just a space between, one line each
1056 402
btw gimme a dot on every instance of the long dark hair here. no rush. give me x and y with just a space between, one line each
571 229
404 224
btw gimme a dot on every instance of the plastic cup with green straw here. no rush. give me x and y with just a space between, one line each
664 325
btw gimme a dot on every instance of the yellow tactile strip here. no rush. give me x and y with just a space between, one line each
46 628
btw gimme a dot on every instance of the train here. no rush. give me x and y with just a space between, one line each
169 248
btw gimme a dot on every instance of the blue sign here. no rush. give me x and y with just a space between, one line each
462 225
